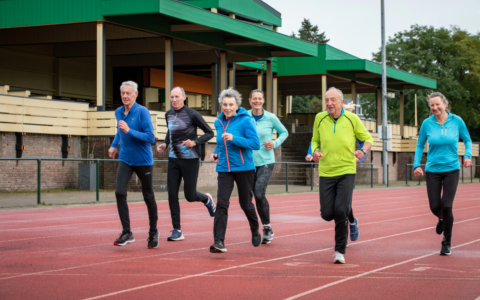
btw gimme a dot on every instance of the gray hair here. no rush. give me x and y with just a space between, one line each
130 83
441 96
339 91
256 91
181 89
230 93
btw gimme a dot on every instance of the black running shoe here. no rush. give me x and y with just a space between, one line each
218 247
445 248
439 228
153 240
256 238
267 235
124 239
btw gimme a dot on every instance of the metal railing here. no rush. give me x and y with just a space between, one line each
462 168
97 168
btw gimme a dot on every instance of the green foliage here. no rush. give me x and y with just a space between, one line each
452 57
301 104
309 33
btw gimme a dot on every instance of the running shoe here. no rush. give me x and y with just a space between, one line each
124 239
439 228
354 232
339 258
445 248
267 235
153 240
256 238
177 235
218 247
210 205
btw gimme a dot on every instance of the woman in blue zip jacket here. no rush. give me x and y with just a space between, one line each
236 138
442 131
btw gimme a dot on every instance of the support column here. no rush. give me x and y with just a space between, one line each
223 71
168 72
214 98
354 94
260 81
101 66
231 76
324 91
402 116
269 87
275 96
378 92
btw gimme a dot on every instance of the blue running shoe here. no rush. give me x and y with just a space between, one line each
354 232
210 205
177 235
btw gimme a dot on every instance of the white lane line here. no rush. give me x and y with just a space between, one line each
282 258
371 272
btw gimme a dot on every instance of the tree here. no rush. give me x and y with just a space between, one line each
452 57
309 33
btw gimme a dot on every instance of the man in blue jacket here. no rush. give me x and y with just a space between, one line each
135 135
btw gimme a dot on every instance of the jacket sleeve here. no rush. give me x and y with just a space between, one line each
116 140
361 146
465 136
216 147
315 144
422 139
250 131
283 133
200 122
147 135
310 149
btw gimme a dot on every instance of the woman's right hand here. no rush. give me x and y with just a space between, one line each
309 158
213 157
418 172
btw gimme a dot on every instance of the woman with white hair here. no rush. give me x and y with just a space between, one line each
236 138
442 130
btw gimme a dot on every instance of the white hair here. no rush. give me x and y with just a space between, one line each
230 93
130 83
181 89
339 91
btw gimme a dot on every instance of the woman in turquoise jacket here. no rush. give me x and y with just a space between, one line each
264 158
236 138
442 131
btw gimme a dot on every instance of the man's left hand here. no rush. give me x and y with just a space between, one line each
189 143
268 145
123 126
359 154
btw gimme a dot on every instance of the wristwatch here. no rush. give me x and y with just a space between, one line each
364 152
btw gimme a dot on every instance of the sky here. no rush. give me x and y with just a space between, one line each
354 26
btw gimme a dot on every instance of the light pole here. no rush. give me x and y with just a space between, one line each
384 98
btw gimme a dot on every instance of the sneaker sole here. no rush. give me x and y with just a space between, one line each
338 262
216 250
127 242
445 254
176 240
150 247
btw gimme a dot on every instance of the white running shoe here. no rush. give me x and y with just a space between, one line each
339 258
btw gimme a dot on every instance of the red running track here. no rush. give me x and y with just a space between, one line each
68 252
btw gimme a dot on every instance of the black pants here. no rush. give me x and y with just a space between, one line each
441 205
188 170
335 204
144 173
262 176
244 180
351 218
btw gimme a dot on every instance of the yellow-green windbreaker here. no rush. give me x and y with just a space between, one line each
337 142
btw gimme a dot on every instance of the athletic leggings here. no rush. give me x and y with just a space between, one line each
144 173
262 176
441 205
244 181
187 169
335 204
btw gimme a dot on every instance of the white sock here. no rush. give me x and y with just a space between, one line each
266 225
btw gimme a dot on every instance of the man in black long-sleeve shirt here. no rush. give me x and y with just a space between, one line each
183 159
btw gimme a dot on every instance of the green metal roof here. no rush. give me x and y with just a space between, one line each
336 62
156 16
251 9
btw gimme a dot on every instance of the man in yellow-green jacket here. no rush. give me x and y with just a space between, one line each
335 133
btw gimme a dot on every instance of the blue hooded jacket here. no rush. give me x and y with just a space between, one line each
442 140
236 155
136 146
